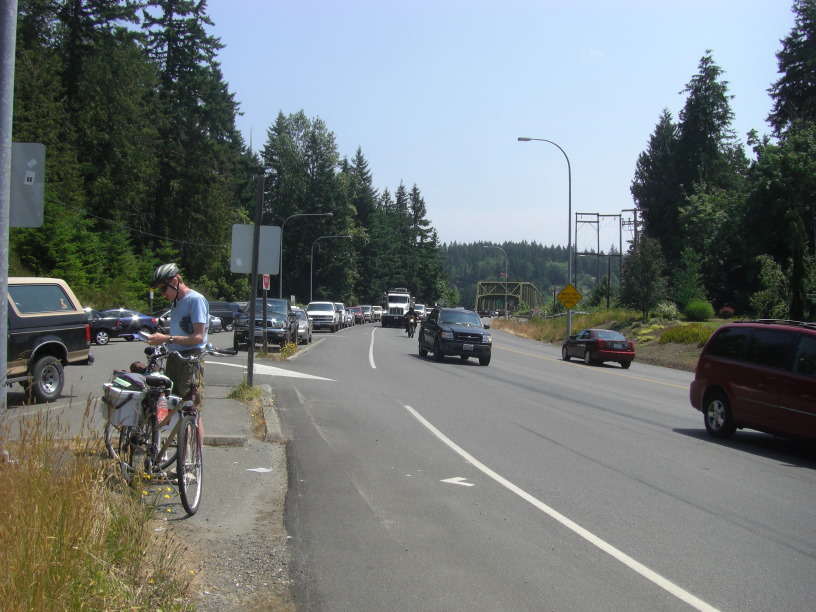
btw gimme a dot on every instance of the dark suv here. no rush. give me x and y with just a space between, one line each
281 324
226 312
455 331
47 330
758 375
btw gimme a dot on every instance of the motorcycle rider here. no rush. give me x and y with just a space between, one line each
411 314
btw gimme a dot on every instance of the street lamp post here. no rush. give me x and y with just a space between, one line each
311 259
569 219
280 275
490 246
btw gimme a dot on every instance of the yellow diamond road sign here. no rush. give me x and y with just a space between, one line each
569 297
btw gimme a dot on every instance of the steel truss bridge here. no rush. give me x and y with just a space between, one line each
490 295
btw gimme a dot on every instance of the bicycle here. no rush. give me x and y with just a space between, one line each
142 443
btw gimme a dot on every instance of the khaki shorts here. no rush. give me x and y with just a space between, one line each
179 371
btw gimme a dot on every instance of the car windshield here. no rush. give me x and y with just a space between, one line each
276 305
608 334
302 315
460 318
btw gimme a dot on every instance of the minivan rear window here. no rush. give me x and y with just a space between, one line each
729 342
805 361
769 347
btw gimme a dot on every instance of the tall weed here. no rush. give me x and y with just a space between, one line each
70 537
687 334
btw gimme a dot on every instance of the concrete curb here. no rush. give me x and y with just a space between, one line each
272 429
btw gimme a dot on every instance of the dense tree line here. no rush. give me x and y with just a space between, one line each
144 165
738 232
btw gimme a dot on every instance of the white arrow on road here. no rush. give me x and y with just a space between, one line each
458 480
271 370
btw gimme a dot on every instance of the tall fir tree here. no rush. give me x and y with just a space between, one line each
794 93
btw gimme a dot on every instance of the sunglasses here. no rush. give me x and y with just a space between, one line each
165 287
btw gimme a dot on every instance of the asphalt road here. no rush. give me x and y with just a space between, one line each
530 484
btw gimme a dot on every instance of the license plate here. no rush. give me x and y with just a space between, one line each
467 347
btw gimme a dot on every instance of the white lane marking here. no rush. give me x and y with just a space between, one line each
641 569
458 480
259 470
272 371
371 350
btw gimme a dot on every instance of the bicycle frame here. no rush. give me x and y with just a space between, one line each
140 447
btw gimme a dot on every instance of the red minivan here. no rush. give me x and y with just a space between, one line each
758 375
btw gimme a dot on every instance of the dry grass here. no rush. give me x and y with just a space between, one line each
71 537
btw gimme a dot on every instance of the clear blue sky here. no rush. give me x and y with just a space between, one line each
436 93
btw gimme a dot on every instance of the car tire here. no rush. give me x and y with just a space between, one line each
423 352
102 337
564 353
483 361
717 415
48 378
438 354
236 343
625 364
587 359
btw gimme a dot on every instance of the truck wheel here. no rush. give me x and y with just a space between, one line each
48 379
236 342
438 354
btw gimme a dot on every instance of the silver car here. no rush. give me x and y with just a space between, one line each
305 327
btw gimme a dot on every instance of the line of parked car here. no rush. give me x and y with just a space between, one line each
124 323
335 316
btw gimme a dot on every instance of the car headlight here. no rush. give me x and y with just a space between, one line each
487 339
446 335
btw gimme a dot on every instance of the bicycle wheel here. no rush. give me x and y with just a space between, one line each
118 442
189 464
170 456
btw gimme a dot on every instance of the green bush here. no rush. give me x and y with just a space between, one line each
687 334
667 310
698 310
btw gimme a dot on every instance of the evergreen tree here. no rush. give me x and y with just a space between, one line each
655 188
794 94
198 140
780 220
643 285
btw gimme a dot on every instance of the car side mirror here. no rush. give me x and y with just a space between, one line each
487 326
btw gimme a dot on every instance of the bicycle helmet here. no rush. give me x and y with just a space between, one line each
163 274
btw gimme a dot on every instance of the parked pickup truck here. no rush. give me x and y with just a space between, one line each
47 330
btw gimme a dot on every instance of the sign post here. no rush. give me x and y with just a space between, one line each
569 296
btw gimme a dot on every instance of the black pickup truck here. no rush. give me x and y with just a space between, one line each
47 330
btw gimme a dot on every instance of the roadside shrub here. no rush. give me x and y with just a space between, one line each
667 310
687 334
287 350
726 312
698 310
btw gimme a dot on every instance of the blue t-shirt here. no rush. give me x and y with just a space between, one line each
192 308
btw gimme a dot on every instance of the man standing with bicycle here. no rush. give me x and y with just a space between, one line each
189 320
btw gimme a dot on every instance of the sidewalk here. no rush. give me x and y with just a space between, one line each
228 422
